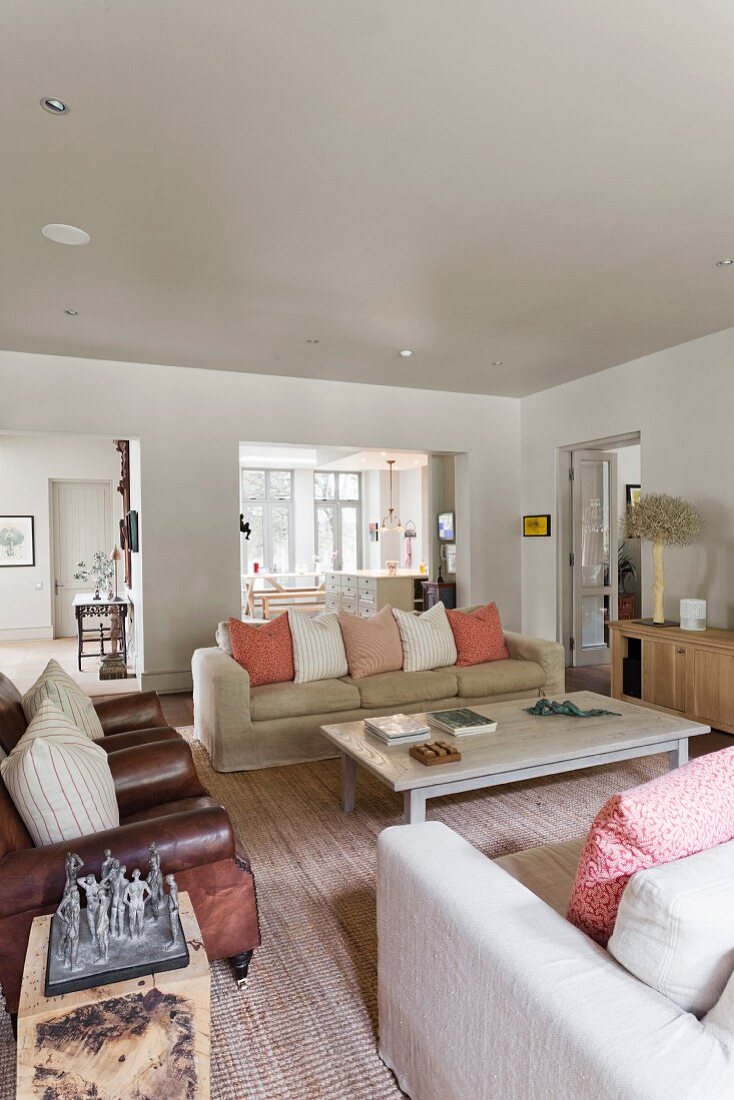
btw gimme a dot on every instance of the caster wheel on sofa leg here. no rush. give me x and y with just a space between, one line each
240 966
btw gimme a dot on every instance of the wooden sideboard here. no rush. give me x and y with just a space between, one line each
685 672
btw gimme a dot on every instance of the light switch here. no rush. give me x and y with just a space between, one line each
39 585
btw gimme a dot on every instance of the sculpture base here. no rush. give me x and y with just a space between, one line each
126 958
651 622
113 667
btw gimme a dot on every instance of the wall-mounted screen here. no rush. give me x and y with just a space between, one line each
446 531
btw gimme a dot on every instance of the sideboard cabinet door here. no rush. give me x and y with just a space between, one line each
664 674
713 687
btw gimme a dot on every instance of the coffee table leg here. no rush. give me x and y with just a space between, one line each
349 782
678 757
414 807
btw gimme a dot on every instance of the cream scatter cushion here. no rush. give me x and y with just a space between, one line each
675 927
59 780
318 647
58 687
428 640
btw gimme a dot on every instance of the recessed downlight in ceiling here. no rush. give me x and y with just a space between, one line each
724 263
55 106
71 312
498 362
405 353
65 234
311 340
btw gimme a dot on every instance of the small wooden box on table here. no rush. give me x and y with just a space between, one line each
147 1036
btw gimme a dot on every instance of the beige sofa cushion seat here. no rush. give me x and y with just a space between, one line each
548 871
498 678
400 689
293 700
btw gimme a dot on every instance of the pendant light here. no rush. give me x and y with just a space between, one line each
391 522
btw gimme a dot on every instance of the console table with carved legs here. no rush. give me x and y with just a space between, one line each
86 607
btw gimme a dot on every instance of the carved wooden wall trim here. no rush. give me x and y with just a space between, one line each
123 487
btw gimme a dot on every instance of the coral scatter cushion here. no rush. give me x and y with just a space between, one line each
478 635
60 780
678 814
373 645
265 652
60 689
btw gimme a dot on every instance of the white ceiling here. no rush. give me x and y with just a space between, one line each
546 184
299 456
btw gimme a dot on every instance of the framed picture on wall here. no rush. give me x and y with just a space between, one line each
451 557
17 541
374 532
633 494
446 531
536 527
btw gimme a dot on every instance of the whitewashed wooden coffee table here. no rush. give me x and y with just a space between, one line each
523 747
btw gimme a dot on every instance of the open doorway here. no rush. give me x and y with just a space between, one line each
599 571
323 528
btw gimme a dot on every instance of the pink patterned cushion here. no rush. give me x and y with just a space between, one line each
677 815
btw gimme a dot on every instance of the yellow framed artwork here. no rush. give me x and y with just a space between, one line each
536 526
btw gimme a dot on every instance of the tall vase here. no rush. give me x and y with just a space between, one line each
658 587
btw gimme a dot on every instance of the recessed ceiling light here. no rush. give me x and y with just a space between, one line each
311 341
71 312
54 106
724 263
65 234
498 362
405 353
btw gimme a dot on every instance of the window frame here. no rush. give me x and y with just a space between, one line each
336 504
268 502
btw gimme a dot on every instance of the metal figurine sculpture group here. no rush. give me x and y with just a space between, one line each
108 903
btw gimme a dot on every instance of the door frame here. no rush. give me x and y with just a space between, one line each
564 621
51 528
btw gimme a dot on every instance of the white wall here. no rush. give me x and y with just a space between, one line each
190 423
27 466
681 401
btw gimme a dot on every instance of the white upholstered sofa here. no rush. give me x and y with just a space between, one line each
487 992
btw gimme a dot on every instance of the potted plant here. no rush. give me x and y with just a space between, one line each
626 569
101 572
664 521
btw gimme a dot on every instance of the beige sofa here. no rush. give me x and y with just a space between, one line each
244 728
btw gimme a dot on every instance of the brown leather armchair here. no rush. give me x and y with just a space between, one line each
160 798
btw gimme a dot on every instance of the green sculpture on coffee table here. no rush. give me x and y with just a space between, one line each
545 707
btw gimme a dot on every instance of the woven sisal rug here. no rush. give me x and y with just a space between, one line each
305 1029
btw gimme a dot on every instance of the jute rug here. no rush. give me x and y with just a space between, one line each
305 1029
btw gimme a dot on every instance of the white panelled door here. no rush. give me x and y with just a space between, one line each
594 555
81 523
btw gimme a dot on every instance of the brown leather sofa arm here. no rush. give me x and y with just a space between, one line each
34 878
116 741
151 775
130 712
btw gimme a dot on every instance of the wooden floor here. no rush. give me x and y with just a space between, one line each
179 708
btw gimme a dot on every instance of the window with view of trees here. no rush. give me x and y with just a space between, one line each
266 503
337 516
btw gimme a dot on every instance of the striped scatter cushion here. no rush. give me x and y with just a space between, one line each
318 647
59 780
373 645
428 641
58 687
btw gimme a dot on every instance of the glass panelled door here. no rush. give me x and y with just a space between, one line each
594 557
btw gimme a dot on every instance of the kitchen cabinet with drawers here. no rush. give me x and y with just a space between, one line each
365 591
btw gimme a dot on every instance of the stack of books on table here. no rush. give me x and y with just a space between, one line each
461 722
398 729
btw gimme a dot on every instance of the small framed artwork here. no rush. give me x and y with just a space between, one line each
374 532
633 494
17 541
132 532
536 527
446 531
451 557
